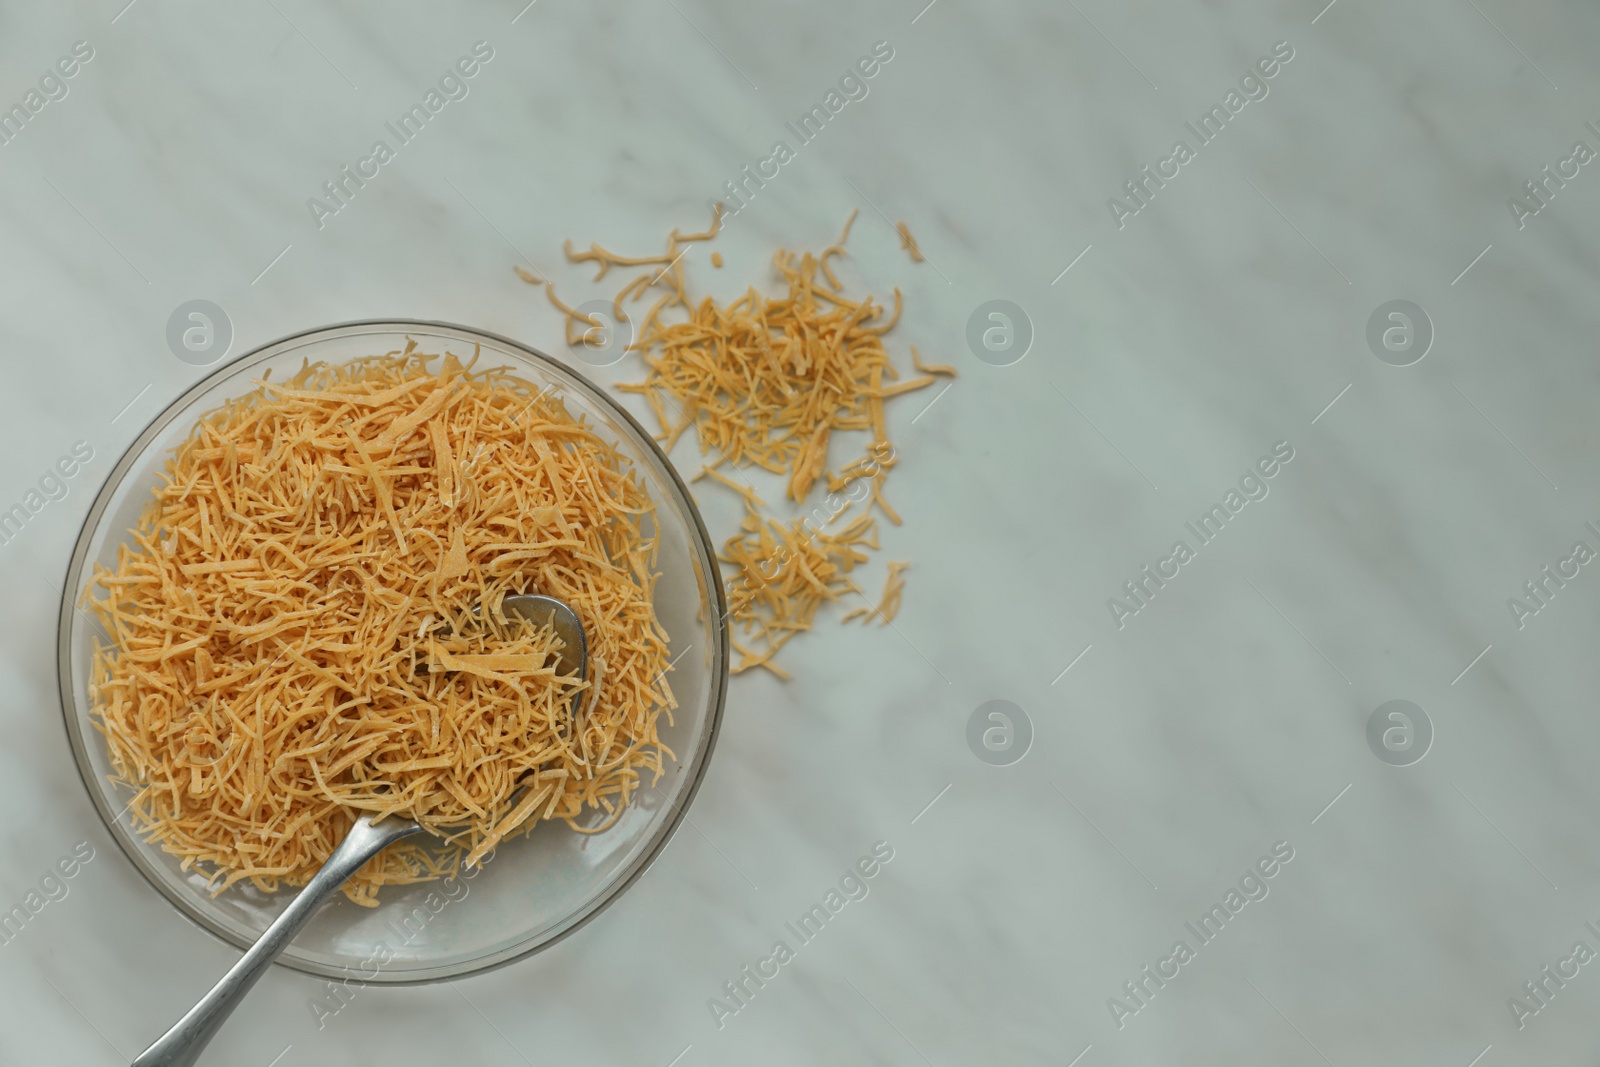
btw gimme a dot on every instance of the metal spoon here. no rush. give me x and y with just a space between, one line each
181 1046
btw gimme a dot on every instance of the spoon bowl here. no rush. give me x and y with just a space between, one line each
548 611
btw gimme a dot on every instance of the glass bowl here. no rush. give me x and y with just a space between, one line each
537 888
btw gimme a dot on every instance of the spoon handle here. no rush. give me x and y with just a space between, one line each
181 1046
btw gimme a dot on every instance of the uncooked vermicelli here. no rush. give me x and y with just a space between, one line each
305 625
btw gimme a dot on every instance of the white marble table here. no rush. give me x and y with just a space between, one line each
1177 340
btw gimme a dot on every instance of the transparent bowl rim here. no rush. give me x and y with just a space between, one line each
133 848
